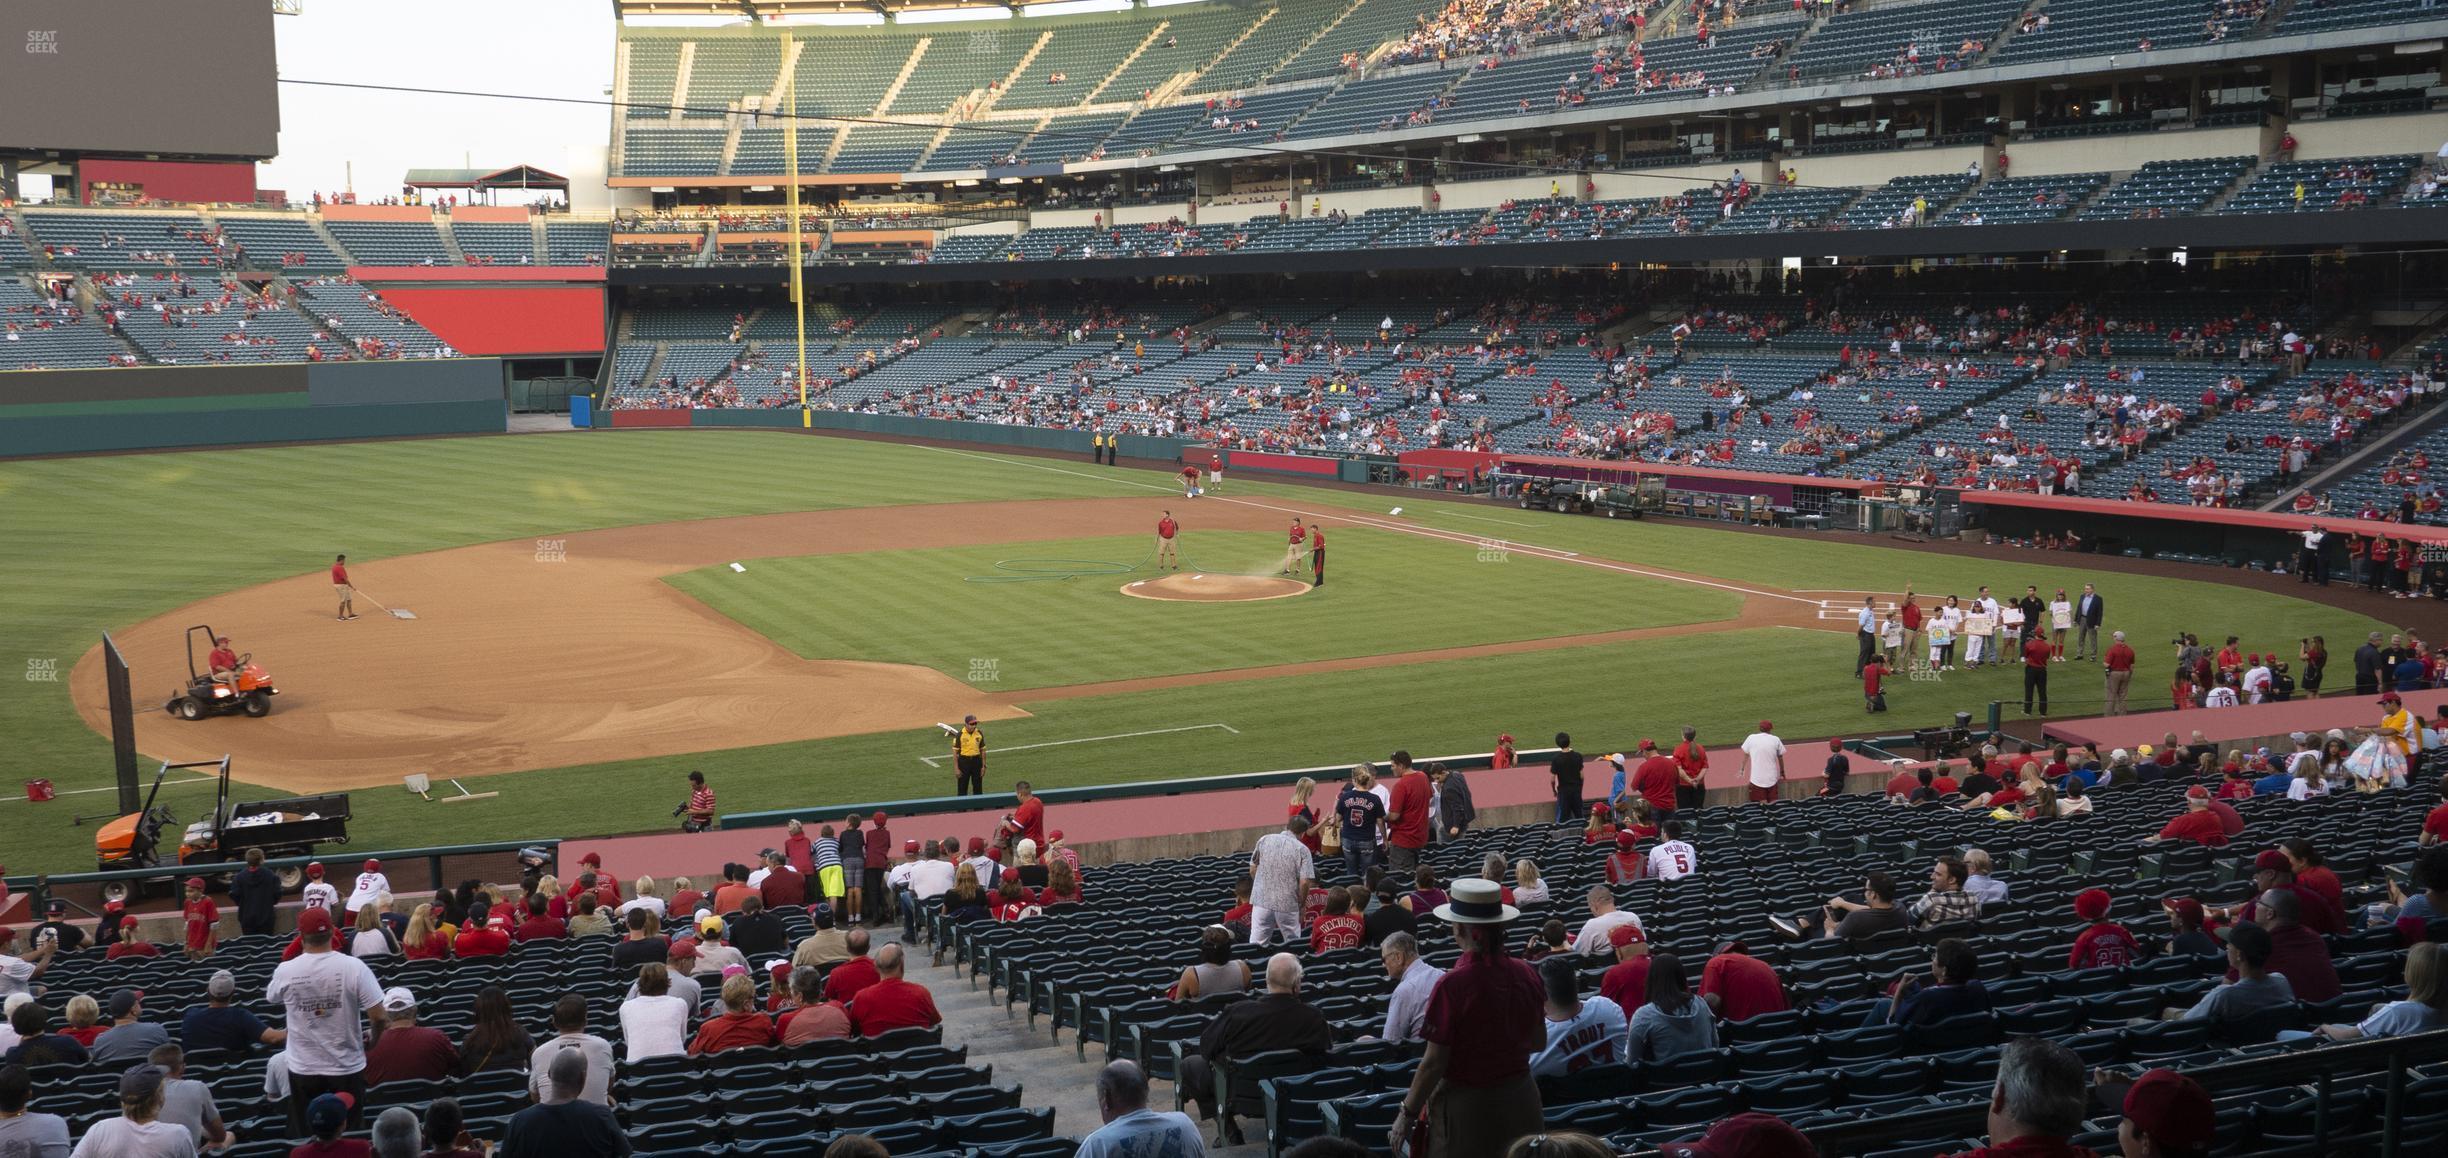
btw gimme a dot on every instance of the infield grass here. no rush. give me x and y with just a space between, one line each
954 611
91 544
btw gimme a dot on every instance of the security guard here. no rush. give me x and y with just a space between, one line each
969 757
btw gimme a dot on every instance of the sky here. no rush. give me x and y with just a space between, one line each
558 48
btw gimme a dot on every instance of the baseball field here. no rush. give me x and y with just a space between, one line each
596 614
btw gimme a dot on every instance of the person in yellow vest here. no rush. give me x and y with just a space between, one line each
969 759
1096 447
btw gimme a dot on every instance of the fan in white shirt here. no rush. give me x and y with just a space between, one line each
2256 684
1673 858
371 884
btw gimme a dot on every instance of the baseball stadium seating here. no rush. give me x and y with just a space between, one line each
1097 970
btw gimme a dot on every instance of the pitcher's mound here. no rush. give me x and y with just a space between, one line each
1197 587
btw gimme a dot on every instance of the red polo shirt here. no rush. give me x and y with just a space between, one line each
1411 794
1745 986
2120 657
1165 527
1490 1015
893 1003
849 979
2200 827
1627 984
2037 652
481 941
1655 780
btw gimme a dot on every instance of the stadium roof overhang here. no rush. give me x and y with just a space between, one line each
514 177
2202 235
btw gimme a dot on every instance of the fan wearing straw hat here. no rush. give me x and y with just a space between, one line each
1486 1017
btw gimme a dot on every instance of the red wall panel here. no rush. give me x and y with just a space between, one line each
626 418
507 319
174 180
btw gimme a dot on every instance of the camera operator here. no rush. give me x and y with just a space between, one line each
698 812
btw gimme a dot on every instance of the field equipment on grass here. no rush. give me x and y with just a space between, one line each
281 827
250 692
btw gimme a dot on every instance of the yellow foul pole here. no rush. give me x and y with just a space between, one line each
790 160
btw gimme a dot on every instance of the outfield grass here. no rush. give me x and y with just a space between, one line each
1388 592
96 543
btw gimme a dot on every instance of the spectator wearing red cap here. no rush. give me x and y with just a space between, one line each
318 893
1655 779
1764 762
2197 823
1740 986
322 993
2102 943
1503 757
2273 871
1624 864
2167 1115
2039 1101
129 944
371 886
2185 916
1750 1135
203 921
1626 982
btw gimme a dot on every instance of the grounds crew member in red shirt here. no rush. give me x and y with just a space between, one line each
1166 528
223 662
1190 487
1407 827
340 584
1317 554
969 759
2036 656
1215 469
1291 561
1874 685
2119 664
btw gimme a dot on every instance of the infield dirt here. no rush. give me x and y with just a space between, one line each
547 653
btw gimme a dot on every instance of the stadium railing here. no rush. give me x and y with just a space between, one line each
41 885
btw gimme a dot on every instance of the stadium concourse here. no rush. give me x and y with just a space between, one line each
2056 953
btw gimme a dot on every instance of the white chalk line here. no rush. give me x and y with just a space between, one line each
109 788
1531 549
937 761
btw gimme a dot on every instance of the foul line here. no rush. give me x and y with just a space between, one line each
1531 549
937 761
110 788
